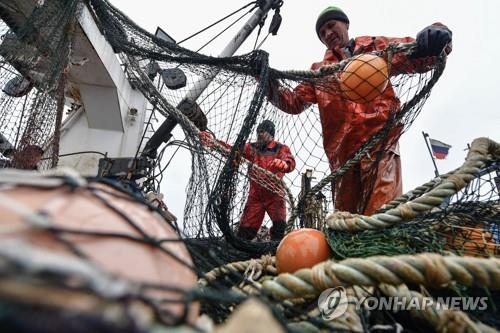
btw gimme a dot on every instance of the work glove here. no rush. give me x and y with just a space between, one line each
432 40
277 165
207 139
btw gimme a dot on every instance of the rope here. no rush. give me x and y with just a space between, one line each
252 269
428 269
415 193
35 260
424 267
441 319
482 150
215 23
350 320
381 134
225 151
223 31
334 69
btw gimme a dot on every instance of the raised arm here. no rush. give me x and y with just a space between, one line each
291 101
209 141
431 41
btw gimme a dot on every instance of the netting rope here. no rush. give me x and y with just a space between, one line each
426 269
482 151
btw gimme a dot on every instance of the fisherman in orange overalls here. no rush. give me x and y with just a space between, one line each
347 125
276 158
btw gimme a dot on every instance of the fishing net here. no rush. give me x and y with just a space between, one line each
229 97
34 53
54 243
238 96
233 103
455 214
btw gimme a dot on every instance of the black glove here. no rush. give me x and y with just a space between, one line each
432 40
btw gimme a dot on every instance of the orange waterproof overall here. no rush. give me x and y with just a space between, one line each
260 199
348 125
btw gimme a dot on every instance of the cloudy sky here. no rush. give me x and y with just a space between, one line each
462 106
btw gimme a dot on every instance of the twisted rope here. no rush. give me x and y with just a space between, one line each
415 193
482 151
254 268
425 269
377 137
440 318
349 321
428 269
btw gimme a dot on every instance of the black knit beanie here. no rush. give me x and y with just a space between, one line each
330 13
267 126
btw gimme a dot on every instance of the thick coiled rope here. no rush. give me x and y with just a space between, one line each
482 151
427 269
415 193
253 269
439 317
375 139
389 275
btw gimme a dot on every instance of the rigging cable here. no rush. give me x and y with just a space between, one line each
273 29
212 39
215 23
224 30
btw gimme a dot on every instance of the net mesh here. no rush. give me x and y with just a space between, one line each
240 92
234 102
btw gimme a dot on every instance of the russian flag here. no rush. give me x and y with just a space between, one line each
439 149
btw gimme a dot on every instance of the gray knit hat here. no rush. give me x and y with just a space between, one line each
268 126
330 13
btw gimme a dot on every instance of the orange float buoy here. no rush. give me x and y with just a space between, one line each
472 240
301 248
364 78
98 212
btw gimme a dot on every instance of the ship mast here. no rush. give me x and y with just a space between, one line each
163 134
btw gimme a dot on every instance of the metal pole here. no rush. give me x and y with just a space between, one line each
436 172
163 134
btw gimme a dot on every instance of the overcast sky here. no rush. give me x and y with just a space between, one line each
463 105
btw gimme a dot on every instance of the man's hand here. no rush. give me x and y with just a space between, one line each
277 165
432 40
207 139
